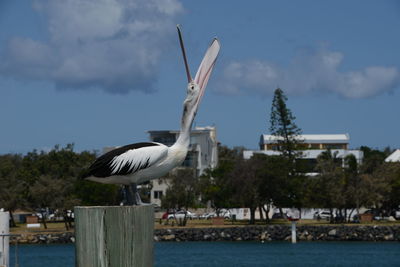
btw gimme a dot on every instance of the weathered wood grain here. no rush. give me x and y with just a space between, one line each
115 236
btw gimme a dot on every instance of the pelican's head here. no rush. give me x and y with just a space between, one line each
194 94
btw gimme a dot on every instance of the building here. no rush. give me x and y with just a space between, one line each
311 146
309 141
202 154
394 157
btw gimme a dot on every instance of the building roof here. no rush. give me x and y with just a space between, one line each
195 130
394 157
308 154
311 138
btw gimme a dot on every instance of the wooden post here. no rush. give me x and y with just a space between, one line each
4 238
294 232
115 236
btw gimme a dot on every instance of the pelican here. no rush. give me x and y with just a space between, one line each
140 162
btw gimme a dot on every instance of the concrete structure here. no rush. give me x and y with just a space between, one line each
394 157
311 146
203 154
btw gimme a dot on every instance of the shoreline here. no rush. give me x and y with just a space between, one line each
262 233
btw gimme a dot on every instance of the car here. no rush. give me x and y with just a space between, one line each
222 213
47 216
70 214
322 215
397 215
277 216
208 215
181 214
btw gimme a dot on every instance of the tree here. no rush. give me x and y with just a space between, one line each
12 191
246 179
215 185
373 158
182 191
286 132
47 192
282 125
327 186
387 176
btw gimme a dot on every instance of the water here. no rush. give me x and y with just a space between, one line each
236 254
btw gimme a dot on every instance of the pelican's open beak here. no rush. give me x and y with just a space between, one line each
206 66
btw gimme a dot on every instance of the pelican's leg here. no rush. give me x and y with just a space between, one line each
136 196
128 195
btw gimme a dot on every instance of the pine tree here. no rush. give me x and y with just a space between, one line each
283 127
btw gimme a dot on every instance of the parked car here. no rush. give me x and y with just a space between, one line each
278 215
48 216
322 215
223 213
70 214
181 214
396 214
208 215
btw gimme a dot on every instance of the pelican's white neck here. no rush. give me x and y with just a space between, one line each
189 112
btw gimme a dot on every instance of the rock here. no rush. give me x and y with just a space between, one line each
168 237
321 236
332 232
263 236
388 237
206 237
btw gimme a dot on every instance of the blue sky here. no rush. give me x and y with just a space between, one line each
103 73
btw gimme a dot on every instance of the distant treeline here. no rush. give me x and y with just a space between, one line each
263 181
41 180
51 180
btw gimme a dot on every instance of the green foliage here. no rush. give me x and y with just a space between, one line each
215 185
373 158
388 175
96 194
40 179
182 190
282 125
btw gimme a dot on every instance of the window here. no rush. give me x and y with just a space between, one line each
157 194
190 160
165 139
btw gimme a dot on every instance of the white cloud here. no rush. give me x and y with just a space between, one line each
310 71
115 45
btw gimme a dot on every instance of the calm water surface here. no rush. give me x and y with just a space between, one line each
236 254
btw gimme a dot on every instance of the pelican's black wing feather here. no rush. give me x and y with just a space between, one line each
102 167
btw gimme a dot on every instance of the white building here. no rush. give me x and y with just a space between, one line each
394 157
311 146
203 154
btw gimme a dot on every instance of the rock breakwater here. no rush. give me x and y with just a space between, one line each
281 233
246 233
